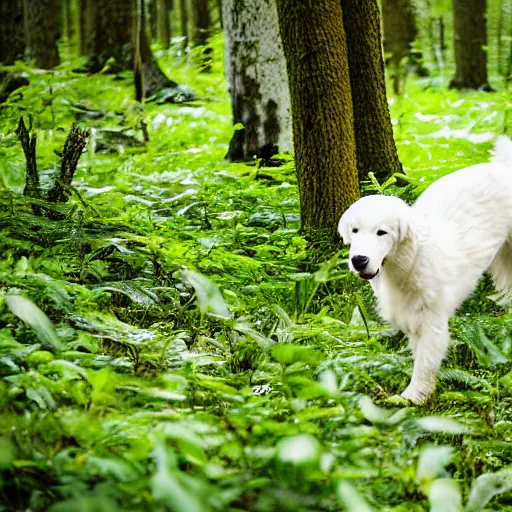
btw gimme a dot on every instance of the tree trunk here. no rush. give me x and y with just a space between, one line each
163 27
87 19
202 21
257 79
184 21
149 77
111 35
470 37
12 35
376 150
42 31
400 31
325 150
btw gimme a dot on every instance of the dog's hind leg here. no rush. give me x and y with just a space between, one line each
429 351
501 272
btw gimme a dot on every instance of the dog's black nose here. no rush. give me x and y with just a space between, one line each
360 262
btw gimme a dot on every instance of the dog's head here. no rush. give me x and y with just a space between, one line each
374 226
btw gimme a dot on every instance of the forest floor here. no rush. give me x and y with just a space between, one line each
189 362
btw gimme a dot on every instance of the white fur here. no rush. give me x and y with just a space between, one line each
434 253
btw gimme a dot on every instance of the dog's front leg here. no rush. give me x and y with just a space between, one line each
429 349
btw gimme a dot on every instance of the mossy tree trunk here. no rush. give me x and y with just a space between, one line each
470 37
257 79
111 36
12 36
400 31
42 31
376 150
86 25
163 26
202 21
325 149
149 78
184 21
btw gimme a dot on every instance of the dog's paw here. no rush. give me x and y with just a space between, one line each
415 395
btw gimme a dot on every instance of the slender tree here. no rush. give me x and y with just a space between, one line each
86 15
376 149
202 21
400 31
257 80
111 35
184 21
470 38
163 26
315 47
42 31
12 36
149 78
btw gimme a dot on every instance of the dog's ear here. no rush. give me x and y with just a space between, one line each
343 227
404 224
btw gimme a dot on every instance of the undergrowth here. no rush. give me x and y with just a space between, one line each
163 348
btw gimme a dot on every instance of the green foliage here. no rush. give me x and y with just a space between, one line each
169 342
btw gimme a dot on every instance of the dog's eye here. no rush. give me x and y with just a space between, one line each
381 232
355 230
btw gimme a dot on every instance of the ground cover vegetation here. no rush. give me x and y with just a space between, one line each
169 341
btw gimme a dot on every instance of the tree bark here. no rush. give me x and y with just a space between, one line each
400 31
315 47
470 37
42 31
149 78
376 150
202 21
111 35
257 79
86 24
12 35
163 27
184 21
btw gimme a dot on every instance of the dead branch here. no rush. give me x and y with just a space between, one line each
73 147
28 143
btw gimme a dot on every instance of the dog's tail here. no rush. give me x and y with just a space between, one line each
502 152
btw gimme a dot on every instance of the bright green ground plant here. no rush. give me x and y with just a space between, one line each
162 348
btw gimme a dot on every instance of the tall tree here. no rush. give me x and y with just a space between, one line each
184 21
86 10
42 31
316 53
149 78
111 37
257 79
376 149
12 37
202 21
400 31
470 38
163 26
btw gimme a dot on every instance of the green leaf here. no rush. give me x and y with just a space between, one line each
29 313
442 424
299 449
431 464
486 486
287 353
208 295
167 486
350 498
444 496
377 414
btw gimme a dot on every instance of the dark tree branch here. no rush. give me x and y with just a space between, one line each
73 147
28 143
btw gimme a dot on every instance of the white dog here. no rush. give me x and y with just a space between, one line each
424 261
